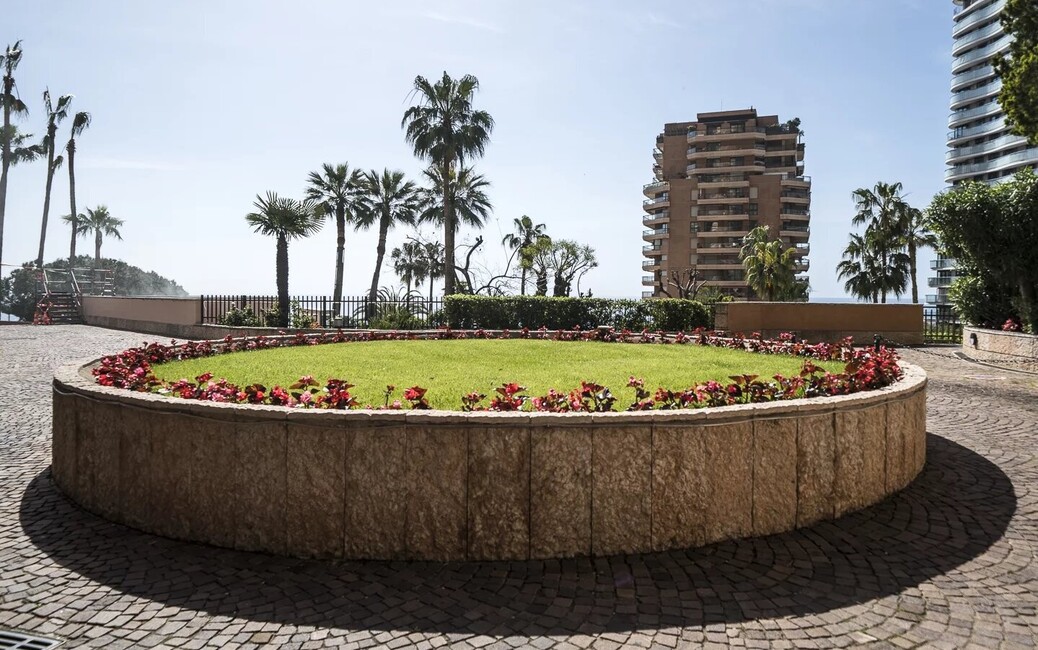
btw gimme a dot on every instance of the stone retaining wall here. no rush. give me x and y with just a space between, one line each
429 485
995 342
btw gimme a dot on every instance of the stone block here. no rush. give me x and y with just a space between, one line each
316 491
499 493
850 462
98 458
560 491
728 475
774 475
135 469
621 490
261 470
816 448
214 484
63 440
874 457
172 455
678 489
436 505
917 411
376 492
899 437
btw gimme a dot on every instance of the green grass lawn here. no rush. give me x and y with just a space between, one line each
451 368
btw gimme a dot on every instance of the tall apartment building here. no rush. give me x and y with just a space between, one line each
716 179
980 147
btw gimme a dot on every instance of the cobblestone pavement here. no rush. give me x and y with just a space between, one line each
949 562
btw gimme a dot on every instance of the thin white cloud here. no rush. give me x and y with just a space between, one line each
464 21
118 163
656 19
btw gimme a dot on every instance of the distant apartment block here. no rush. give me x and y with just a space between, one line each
716 179
980 147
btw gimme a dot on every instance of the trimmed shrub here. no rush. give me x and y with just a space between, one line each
516 312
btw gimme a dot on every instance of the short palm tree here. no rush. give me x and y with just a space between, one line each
11 105
770 266
882 210
522 241
465 190
409 263
444 128
915 232
80 122
388 200
55 114
334 189
99 223
433 265
860 269
284 219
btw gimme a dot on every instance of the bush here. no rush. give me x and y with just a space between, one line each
515 312
241 317
981 303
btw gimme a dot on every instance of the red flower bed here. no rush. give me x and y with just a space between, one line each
866 369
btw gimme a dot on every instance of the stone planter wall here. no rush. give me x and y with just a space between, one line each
430 485
995 342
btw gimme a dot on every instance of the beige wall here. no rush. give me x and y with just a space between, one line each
443 486
994 344
824 321
172 311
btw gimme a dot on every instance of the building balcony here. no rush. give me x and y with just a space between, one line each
942 264
709 215
721 199
964 79
655 187
662 201
657 155
794 231
795 199
966 19
723 232
723 180
960 45
792 180
722 135
958 118
651 265
940 281
659 233
648 280
656 218
964 97
999 46
652 250
648 294
961 135
749 149
724 283
790 213
1018 159
991 146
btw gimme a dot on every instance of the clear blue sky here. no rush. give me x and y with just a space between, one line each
200 105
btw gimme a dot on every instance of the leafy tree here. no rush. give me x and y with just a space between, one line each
770 266
335 190
389 200
466 193
522 240
55 114
565 259
80 122
882 210
915 233
1019 72
993 232
100 223
444 128
12 105
284 219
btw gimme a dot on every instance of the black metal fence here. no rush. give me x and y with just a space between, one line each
322 311
941 328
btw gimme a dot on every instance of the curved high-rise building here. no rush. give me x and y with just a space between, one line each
980 147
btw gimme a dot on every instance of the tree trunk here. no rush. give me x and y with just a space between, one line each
1029 304
72 202
912 269
46 199
281 269
380 253
340 252
522 282
97 249
5 163
886 277
448 232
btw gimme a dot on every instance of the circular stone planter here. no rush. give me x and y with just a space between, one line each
434 485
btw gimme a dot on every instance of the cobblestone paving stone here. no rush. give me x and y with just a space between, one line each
949 562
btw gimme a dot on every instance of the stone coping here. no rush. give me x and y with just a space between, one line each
442 485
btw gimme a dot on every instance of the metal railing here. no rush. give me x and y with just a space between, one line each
941 328
320 311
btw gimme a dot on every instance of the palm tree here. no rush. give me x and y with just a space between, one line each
445 129
409 263
284 219
434 266
466 193
55 114
335 192
101 224
915 233
770 267
388 200
883 211
11 105
79 124
860 269
522 240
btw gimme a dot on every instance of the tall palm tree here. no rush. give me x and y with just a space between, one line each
915 233
522 240
882 210
12 105
80 122
388 200
409 263
770 266
334 190
445 129
860 268
465 190
100 223
55 114
284 219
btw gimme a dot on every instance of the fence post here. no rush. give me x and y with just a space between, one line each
324 311
202 298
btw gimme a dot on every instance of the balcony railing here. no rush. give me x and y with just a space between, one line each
650 265
663 198
942 264
960 62
984 148
961 44
657 231
939 282
958 118
653 217
978 15
794 212
967 78
652 250
1002 162
987 128
973 94
655 186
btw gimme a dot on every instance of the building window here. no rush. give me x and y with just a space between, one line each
753 209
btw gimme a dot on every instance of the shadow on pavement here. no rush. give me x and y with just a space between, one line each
955 510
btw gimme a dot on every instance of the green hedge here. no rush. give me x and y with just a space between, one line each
515 312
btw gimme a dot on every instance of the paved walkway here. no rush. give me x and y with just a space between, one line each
949 562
